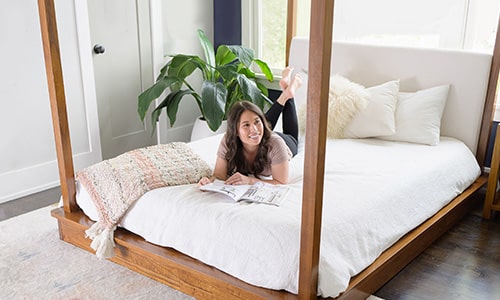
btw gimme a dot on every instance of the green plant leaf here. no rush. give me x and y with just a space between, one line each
224 56
263 89
251 92
247 72
244 54
265 69
248 87
171 103
208 49
182 65
213 100
155 114
153 92
163 70
228 73
234 95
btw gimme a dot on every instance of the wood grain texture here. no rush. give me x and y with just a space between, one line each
291 28
489 105
491 200
320 49
57 97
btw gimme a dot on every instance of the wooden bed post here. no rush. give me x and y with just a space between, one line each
489 105
55 82
291 27
320 46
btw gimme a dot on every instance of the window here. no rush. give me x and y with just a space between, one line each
264 29
274 31
467 24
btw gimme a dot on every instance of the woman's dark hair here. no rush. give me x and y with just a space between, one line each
235 159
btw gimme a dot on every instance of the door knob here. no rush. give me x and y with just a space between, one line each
99 49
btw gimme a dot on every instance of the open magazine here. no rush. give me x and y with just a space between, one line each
258 192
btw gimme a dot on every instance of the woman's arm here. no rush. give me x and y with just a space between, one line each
220 172
279 174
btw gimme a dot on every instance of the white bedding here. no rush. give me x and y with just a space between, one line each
375 192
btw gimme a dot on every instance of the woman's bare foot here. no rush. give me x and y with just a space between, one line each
294 85
285 78
289 92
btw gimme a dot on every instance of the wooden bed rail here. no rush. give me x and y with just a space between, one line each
55 83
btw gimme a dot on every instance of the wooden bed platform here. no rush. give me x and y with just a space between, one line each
204 282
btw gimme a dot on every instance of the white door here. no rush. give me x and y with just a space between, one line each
28 157
122 30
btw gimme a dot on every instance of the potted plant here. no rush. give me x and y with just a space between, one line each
227 78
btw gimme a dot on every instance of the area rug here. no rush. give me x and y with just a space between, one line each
35 264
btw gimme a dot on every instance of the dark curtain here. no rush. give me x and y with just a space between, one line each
227 22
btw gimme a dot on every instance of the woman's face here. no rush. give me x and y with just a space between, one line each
250 128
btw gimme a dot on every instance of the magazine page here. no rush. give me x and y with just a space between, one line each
258 192
233 191
265 193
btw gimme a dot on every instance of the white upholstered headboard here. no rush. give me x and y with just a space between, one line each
417 68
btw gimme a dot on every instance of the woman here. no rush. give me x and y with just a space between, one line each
250 151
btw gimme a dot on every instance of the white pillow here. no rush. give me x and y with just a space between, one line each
377 119
418 116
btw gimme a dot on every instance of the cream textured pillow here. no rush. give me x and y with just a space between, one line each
377 119
345 99
301 102
418 116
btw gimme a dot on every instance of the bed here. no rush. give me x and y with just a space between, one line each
312 217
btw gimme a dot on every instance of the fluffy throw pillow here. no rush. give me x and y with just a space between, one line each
418 116
377 119
346 98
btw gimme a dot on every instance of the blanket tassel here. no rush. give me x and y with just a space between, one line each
102 240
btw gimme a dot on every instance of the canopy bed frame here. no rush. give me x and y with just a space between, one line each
202 281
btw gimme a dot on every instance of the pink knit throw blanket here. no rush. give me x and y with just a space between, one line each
115 184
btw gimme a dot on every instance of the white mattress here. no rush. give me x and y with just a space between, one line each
375 192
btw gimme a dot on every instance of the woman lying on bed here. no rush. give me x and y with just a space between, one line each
250 151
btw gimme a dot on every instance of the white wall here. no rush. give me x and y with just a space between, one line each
181 21
27 153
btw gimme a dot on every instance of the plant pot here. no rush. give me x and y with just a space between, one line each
201 129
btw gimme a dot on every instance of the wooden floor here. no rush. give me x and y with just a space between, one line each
26 204
463 264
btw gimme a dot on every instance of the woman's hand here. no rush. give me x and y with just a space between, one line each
204 180
238 179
